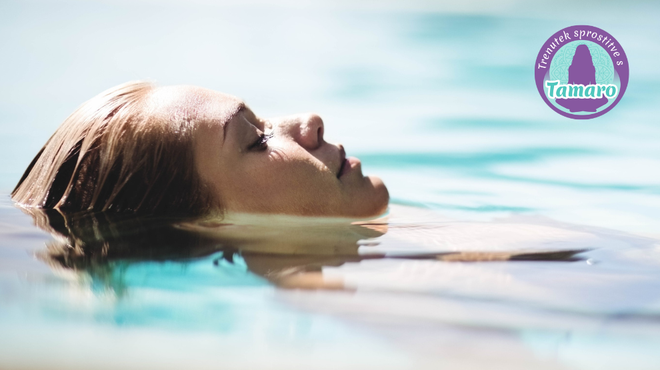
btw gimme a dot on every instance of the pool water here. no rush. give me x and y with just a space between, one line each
437 99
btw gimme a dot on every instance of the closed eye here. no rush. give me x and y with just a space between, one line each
261 143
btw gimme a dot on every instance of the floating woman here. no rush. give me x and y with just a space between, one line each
191 152
141 173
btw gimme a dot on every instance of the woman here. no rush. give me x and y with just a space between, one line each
137 150
187 151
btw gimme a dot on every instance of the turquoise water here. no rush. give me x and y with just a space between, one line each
440 101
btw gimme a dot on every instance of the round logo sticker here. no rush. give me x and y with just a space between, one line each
581 72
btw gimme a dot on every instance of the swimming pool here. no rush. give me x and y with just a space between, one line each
437 99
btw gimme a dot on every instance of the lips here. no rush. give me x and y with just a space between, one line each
342 160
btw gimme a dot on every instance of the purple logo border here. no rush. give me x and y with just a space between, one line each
623 70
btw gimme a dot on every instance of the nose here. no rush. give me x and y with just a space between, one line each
306 129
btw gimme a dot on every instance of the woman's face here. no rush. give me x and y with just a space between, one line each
273 165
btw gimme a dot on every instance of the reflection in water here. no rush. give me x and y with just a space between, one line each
289 252
181 282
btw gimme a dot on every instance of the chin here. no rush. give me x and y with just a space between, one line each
378 197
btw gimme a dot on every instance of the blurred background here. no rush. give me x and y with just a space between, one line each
436 97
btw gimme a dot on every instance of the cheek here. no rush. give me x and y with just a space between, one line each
284 182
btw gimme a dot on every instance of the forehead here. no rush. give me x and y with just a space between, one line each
192 103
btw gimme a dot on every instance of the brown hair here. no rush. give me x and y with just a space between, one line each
114 153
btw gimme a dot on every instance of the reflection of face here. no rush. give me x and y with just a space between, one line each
279 165
287 236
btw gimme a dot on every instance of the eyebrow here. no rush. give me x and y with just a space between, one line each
239 109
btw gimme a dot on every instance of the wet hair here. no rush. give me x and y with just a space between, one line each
114 153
